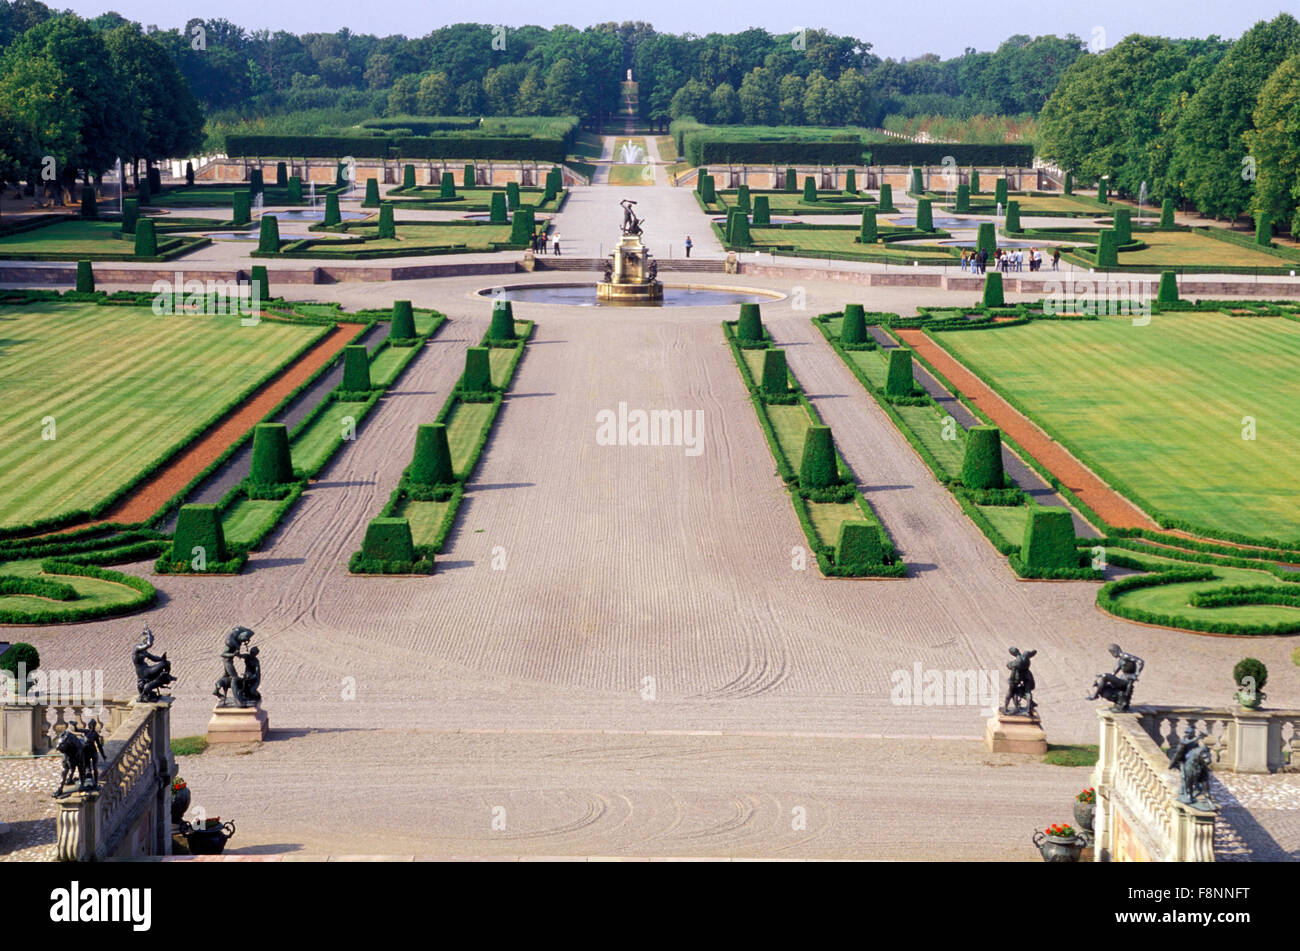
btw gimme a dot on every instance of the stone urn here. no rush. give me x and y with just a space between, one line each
1084 813
1060 848
209 840
180 801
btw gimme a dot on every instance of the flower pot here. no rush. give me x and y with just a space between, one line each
209 841
180 803
1084 813
1249 700
1059 848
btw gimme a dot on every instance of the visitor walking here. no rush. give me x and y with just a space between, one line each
982 259
688 245
555 243
1056 259
964 259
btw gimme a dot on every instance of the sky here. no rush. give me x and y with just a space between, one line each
895 29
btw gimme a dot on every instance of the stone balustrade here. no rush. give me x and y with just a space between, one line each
1241 740
29 729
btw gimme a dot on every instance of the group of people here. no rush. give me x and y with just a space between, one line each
1007 259
541 239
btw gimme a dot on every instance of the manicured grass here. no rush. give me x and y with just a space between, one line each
827 516
75 238
499 359
1173 599
386 365
425 518
1082 755
1176 248
125 389
1008 520
792 203
588 145
244 521
91 592
189 745
667 147
927 423
223 195
631 175
1057 203
478 237
313 445
790 423
841 242
1158 410
463 429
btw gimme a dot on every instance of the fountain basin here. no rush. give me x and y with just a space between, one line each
313 214
585 295
937 221
774 220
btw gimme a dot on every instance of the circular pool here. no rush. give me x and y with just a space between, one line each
316 214
773 220
1001 244
938 222
584 295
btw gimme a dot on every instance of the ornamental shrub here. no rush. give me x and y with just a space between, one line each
240 212
974 180
851 182
408 176
20 653
130 214
1049 540
1167 213
1168 292
918 184
431 464
272 463
145 193
1000 192
146 239
859 544
886 198
791 180
809 189
85 278
740 231
89 209
403 323
699 178
332 216
199 526
387 227
924 215
776 380
1263 229
261 280
477 377
255 182
268 239
868 232
502 326
1247 667
512 195
388 539
555 180
295 189
986 238
154 177
1012 224
818 469
372 194
742 199
762 211
854 327
521 226
993 290
1103 192
749 327
1107 255
1123 226
707 192
1068 184
447 189
189 173
281 174
340 175
467 178
963 199
899 380
981 467
497 216
356 369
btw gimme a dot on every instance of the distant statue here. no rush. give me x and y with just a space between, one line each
1191 757
631 223
76 753
1020 686
152 674
1117 687
92 749
232 689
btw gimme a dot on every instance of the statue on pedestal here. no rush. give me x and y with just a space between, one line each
1191 757
234 689
150 677
1117 687
1020 686
631 223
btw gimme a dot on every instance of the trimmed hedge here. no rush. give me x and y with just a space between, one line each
241 209
85 278
1013 216
147 594
762 211
521 226
818 469
387 227
924 215
403 325
295 190
199 527
776 380
853 329
933 153
372 194
502 326
1107 249
512 195
986 238
1168 292
146 239
447 186
918 183
1167 213
1000 192
1048 543
408 176
356 369
993 296
809 189
868 232
711 147
256 185
1263 230
858 544
981 467
281 174
388 539
899 380
451 145
431 462
268 238
1123 226
332 216
963 199
477 377
272 464
739 236
791 183
130 214
742 199
498 215
258 276
749 328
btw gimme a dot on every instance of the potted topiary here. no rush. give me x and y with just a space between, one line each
1085 808
1250 676
28 657
1060 843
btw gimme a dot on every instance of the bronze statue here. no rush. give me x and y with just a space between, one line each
93 749
1191 757
631 223
1020 686
232 689
150 677
74 750
1117 687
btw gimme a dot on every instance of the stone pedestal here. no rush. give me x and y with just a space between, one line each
1015 734
238 725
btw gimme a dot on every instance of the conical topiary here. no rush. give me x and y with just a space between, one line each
1263 230
851 182
809 189
447 188
1123 226
408 176
1167 213
993 290
241 209
886 204
791 183
198 535
281 174
85 278
707 192
332 216
776 378
918 185
387 227
502 326
467 175
858 544
1168 291
431 463
403 323
295 190
268 238
146 239
1103 192
255 184
1000 192
986 238
854 327
521 226
818 469
512 195
497 216
924 215
898 382
868 233
740 231
1048 543
130 214
356 369
1013 217
749 327
388 539
89 207
974 180
272 463
981 467
477 377
372 194
963 199
742 199
261 281
1107 255
762 215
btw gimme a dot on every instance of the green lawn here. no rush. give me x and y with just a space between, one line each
841 242
1176 248
91 592
223 195
792 203
414 236
1009 520
123 388
74 238
463 431
425 518
313 445
1158 410
631 175
242 522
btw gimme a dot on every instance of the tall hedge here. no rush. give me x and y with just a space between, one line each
762 211
886 203
749 327
981 467
1107 253
1068 184
89 207
699 178
145 194
189 173
502 326
918 182
130 214
332 216
340 175
356 369
281 174
868 232
402 326
512 195
1168 291
268 238
431 463
241 209
851 182
993 296
791 180
497 216
408 175
554 180
933 153
1167 213
924 215
1123 226
1000 192
295 189
898 382
1103 192
858 544
740 237
963 199
467 177
809 189
388 539
387 227
372 194
974 180
447 187
146 239
477 377
154 175
1263 230
1013 217
199 526
85 278
261 280
708 193
818 469
272 463
256 185
776 379
742 199
854 327
521 226
1048 543
986 238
